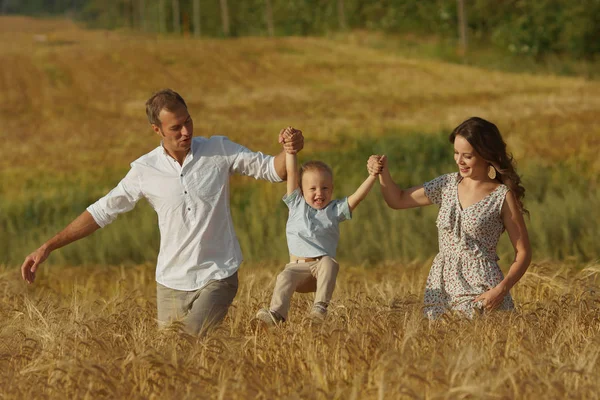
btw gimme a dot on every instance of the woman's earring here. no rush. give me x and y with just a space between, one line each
491 172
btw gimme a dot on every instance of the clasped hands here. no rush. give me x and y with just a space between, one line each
291 139
376 164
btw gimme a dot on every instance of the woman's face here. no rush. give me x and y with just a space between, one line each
470 163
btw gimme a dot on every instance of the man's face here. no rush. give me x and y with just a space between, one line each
176 130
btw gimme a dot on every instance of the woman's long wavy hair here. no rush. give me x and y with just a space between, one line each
487 141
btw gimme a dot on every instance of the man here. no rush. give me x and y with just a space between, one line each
186 180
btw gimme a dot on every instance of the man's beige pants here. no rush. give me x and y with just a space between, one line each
315 276
199 310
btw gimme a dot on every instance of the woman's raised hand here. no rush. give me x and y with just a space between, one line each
376 164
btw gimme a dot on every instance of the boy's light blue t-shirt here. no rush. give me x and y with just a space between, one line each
311 232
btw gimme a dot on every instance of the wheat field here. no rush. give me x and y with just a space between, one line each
72 118
89 332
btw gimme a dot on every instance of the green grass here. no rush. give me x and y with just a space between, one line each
480 53
562 224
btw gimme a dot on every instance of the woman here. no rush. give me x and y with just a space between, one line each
477 204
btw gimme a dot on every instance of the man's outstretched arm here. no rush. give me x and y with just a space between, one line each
121 199
82 226
258 165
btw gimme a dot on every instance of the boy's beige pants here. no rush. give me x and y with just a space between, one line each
199 310
315 276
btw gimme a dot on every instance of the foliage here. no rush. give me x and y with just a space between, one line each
519 26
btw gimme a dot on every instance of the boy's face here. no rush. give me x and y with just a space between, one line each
317 188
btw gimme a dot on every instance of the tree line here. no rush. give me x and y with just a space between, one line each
535 27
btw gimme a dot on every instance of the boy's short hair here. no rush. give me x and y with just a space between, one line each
166 99
313 165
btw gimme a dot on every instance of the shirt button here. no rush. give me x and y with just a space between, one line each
181 175
185 192
189 209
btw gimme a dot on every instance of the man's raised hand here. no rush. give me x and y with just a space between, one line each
291 139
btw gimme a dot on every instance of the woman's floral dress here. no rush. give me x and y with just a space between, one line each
465 266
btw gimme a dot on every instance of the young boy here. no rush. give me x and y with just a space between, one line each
312 235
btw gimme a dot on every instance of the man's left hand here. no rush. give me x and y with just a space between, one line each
291 139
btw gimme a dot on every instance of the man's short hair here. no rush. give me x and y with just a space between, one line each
165 99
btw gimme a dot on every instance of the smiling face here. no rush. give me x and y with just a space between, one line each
470 163
317 188
176 130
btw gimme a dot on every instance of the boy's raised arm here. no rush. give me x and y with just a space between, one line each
292 141
291 167
355 198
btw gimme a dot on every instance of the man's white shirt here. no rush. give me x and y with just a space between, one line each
198 243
